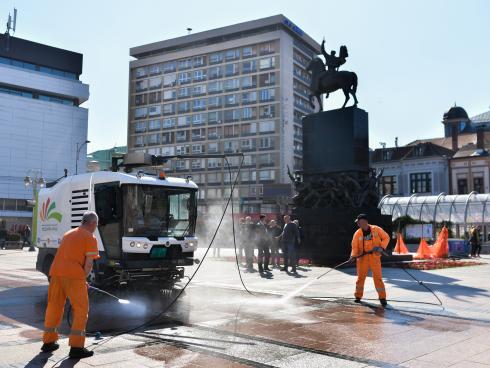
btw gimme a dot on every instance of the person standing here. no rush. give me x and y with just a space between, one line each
475 241
71 266
241 238
289 238
263 240
300 240
274 231
26 235
368 242
249 243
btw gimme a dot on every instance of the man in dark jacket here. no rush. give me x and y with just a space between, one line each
274 231
290 237
262 244
249 242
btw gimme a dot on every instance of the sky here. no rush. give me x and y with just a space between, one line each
414 59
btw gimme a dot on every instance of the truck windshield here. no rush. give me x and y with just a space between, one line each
153 211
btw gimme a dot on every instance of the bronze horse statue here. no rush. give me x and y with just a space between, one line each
330 81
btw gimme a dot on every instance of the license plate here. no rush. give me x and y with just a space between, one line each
158 252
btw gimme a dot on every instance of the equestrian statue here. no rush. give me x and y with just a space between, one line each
325 77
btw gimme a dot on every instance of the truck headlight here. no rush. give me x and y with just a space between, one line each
131 244
138 245
145 246
191 244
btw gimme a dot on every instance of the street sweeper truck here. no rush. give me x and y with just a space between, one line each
146 228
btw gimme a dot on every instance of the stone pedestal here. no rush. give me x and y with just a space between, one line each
336 184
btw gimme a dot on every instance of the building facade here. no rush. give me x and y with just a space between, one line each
101 160
241 88
422 168
41 120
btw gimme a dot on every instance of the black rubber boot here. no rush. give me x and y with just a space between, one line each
80 353
49 347
357 300
383 302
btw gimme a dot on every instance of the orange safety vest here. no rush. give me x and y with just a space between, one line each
362 245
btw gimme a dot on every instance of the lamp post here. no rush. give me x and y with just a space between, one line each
79 147
34 178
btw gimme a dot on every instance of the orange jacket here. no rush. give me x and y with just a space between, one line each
379 238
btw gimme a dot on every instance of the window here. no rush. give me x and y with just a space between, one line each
140 100
386 155
199 104
199 89
141 72
168 123
155 110
185 64
154 125
154 69
214 177
199 61
231 100
232 84
249 51
168 151
249 97
267 79
232 115
140 127
249 81
140 112
184 77
420 183
216 58
184 106
169 80
139 140
387 185
154 97
267 94
231 131
266 159
462 186
181 136
266 127
198 119
478 185
249 129
169 66
167 138
198 134
268 111
197 148
248 175
212 148
215 87
183 121
266 143
184 92
267 63
214 102
231 146
266 175
213 133
249 66
181 164
248 144
155 83
199 75
168 109
232 54
196 164
249 160
231 70
249 113
141 85
153 139
267 48
168 94
215 72
214 117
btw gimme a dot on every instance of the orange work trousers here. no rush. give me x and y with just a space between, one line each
76 291
364 264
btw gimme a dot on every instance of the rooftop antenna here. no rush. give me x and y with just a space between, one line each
382 144
396 141
11 25
189 30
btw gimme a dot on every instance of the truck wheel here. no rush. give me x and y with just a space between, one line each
48 261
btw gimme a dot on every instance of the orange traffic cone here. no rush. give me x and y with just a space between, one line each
400 246
440 249
424 250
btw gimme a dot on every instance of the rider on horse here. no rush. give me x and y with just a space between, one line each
332 62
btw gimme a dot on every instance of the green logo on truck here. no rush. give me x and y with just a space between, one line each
48 212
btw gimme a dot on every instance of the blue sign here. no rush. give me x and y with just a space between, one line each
293 27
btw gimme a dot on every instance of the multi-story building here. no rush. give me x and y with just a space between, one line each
241 88
101 160
41 120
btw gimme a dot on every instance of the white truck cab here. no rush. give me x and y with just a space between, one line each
146 224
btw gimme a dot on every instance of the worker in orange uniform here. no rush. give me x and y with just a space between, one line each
368 243
71 266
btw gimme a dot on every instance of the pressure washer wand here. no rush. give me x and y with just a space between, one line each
122 301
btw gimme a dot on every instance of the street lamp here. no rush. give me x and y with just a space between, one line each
34 178
79 147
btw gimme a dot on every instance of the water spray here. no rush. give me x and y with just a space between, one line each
120 300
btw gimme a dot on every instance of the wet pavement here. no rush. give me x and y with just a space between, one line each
215 323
